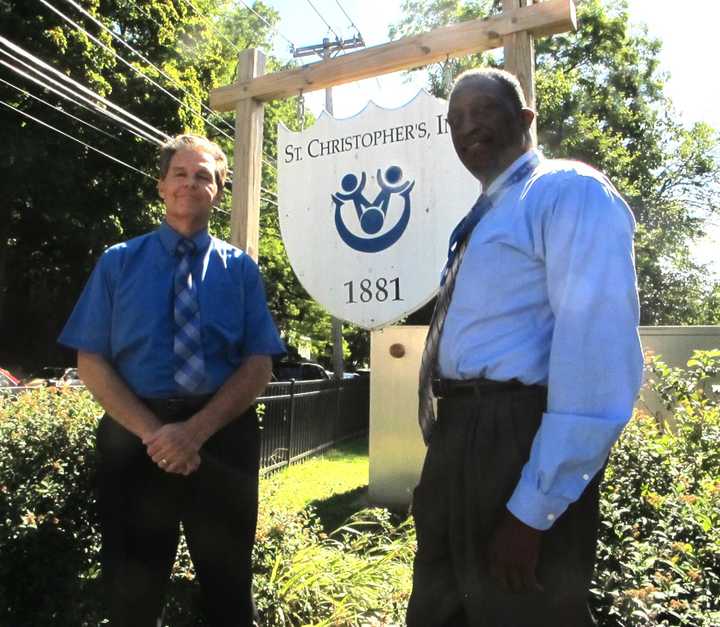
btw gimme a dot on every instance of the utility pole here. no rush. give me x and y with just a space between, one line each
325 50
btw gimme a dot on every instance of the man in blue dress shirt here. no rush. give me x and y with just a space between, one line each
174 340
536 368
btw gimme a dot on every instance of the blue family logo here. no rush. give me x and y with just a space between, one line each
372 216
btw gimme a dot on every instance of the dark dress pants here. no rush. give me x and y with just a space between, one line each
141 508
480 444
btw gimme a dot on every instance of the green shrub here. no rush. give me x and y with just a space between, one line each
49 538
659 549
658 553
48 530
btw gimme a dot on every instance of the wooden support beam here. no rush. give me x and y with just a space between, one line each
247 166
545 18
520 58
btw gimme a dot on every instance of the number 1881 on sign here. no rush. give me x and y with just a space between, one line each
365 290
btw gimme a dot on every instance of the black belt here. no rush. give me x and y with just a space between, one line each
446 388
182 406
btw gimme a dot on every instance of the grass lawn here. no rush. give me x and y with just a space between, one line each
334 484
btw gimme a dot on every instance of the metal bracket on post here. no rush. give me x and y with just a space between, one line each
301 110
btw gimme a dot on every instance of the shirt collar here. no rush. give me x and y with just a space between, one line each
170 238
497 184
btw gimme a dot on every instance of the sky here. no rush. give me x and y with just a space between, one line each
686 30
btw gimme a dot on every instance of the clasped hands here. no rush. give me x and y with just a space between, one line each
173 448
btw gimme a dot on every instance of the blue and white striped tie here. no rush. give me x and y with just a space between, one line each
189 361
459 240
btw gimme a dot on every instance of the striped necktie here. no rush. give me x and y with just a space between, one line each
458 244
187 345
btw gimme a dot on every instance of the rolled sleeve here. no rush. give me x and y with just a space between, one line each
595 357
260 334
89 326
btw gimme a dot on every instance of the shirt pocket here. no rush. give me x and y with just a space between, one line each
223 316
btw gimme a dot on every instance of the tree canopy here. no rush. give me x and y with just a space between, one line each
601 99
600 94
65 203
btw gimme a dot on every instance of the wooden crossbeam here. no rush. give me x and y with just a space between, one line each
545 18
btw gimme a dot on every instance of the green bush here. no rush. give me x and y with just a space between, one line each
49 539
48 530
658 553
659 549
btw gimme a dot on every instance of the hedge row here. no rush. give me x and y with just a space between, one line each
658 558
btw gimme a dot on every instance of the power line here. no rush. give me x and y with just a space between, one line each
97 150
105 101
357 30
146 60
138 132
267 163
60 109
150 63
135 130
332 30
130 65
271 26
209 23
39 82
57 130
103 153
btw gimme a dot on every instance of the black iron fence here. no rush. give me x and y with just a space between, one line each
301 418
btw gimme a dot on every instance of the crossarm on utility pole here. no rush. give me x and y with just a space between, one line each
545 18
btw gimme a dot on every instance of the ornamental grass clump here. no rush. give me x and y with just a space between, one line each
356 575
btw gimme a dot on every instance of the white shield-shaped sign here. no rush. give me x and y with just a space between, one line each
367 205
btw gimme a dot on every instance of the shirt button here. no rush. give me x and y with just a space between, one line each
551 517
586 477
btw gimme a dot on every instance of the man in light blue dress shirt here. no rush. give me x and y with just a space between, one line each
174 340
539 364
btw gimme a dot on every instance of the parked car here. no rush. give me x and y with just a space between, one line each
70 377
299 370
7 380
58 376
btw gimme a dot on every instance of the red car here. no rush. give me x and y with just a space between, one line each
7 380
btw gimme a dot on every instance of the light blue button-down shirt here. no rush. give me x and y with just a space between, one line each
125 312
547 294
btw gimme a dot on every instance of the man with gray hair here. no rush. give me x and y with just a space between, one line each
174 340
534 355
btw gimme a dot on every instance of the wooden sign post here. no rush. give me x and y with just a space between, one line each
514 29
520 58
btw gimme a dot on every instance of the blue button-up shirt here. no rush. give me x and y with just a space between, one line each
547 294
125 312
